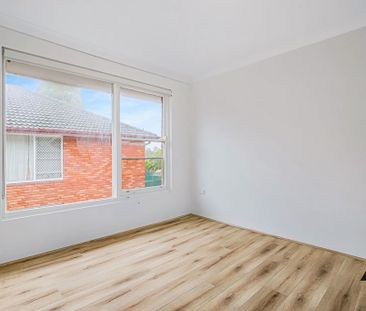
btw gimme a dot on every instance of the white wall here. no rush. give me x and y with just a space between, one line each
32 235
280 146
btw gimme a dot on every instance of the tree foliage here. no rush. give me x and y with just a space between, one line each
154 165
62 92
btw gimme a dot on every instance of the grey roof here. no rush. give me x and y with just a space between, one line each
28 111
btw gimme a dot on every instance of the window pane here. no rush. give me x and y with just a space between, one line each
154 172
142 173
141 116
142 164
64 153
142 159
154 164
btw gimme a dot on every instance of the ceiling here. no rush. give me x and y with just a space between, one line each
184 39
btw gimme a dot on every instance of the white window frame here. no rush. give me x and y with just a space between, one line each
117 82
35 179
126 193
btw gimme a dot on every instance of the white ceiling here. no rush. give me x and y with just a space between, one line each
184 39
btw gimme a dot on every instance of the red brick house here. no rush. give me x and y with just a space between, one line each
58 153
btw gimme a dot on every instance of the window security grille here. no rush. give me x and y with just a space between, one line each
48 155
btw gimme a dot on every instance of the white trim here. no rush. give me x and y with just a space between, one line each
116 143
167 131
26 58
155 140
3 149
130 193
34 181
2 131
34 157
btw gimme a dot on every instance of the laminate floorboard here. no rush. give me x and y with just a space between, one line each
189 263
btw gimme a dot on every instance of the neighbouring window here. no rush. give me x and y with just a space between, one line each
33 158
143 149
48 157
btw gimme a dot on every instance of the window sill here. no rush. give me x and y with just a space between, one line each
128 194
47 210
32 182
52 209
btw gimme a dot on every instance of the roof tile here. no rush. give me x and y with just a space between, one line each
33 112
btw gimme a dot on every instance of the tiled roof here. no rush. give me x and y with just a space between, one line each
28 111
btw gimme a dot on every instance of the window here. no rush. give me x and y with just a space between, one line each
58 140
72 139
33 158
143 148
48 157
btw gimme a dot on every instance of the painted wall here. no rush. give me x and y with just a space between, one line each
280 146
31 235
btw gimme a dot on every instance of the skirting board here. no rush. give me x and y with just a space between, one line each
165 222
119 234
282 238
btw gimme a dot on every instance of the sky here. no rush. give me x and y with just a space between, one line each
135 112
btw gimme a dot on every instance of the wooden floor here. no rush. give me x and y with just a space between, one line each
190 263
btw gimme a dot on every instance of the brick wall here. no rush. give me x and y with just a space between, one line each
87 175
133 171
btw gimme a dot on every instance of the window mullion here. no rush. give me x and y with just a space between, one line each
34 141
62 157
116 143
166 143
3 135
